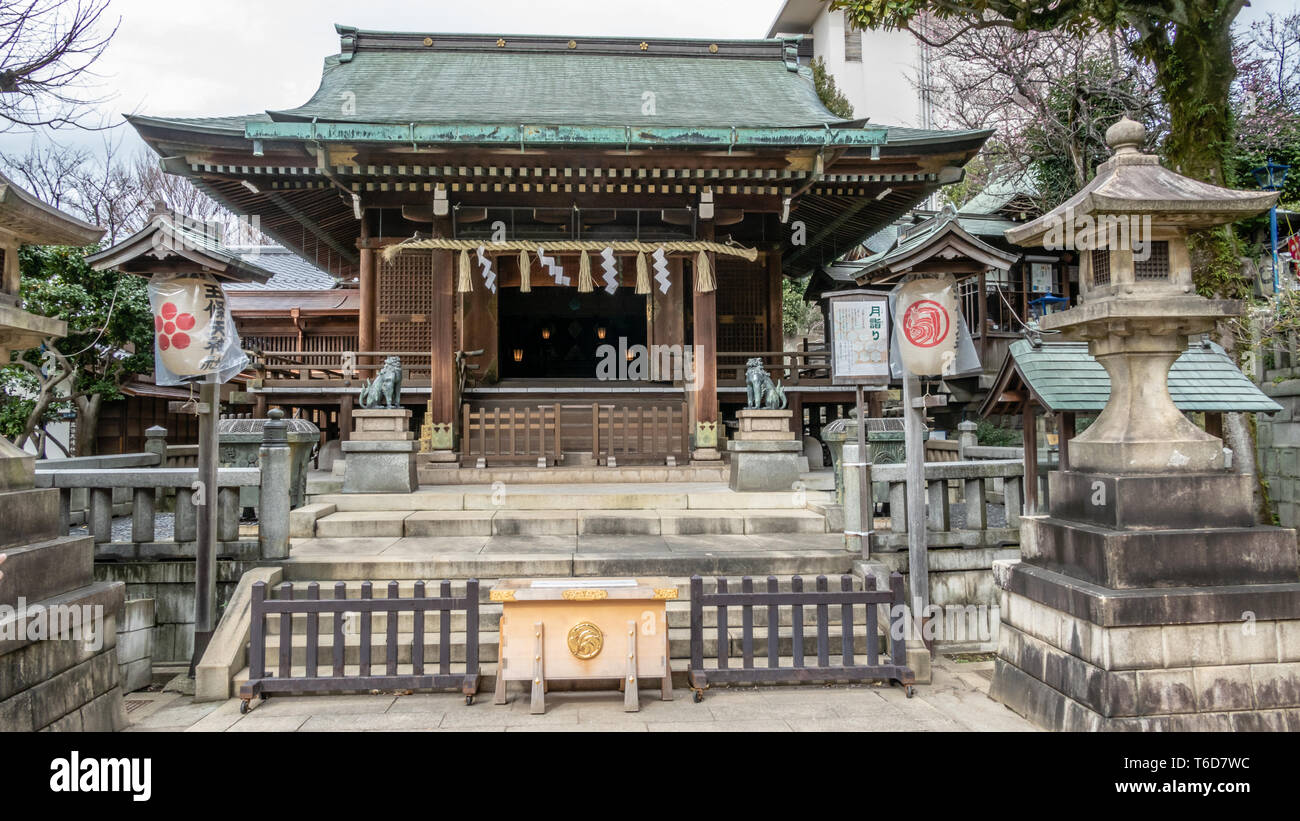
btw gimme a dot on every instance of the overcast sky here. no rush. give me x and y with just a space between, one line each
193 59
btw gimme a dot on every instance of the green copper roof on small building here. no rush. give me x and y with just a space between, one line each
1065 377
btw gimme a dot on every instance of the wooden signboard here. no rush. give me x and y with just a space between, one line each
574 628
859 338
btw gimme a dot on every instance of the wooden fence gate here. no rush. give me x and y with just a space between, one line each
287 679
797 599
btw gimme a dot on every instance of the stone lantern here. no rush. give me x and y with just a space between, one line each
1149 598
1129 227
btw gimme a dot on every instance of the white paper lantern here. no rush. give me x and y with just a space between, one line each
191 327
926 322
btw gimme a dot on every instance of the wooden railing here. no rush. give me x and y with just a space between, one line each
292 368
787 367
346 368
542 434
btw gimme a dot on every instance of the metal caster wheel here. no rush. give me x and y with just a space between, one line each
698 696
243 707
909 690
469 700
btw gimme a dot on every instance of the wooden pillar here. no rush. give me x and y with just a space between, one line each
1031 456
775 322
982 311
1214 424
443 348
345 417
1065 432
369 285
706 360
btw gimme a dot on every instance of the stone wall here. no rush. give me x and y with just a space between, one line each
171 587
1278 440
135 634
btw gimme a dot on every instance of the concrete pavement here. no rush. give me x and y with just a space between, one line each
957 701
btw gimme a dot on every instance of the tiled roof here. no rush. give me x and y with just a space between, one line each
290 272
1067 378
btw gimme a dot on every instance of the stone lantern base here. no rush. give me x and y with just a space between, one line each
380 456
1151 602
64 680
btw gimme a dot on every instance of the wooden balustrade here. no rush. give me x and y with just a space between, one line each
542 433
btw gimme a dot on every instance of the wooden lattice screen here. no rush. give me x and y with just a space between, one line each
405 303
742 305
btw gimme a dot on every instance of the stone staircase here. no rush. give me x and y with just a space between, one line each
665 509
457 532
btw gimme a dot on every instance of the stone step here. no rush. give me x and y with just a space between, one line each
508 497
406 587
729 562
490 618
432 474
566 522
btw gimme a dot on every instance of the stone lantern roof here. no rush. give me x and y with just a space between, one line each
1134 183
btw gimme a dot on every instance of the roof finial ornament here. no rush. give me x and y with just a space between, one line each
1126 136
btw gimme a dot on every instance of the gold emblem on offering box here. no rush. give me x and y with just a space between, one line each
501 595
584 594
585 640
665 592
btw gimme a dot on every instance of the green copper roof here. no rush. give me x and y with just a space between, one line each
387 77
1065 377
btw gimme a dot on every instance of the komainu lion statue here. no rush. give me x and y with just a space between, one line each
385 390
761 392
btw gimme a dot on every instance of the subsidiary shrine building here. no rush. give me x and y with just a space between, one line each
516 212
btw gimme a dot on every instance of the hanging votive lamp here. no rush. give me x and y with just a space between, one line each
546 333
600 332
519 354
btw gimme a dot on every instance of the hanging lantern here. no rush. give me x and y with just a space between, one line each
194 335
600 332
925 326
546 332
519 354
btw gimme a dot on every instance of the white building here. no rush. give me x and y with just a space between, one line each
876 70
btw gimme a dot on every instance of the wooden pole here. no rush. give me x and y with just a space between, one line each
705 318
918 560
205 549
369 292
1031 456
866 507
1065 432
442 372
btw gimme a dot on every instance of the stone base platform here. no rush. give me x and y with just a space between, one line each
380 457
1151 602
1068 673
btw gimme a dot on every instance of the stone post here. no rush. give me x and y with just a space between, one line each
274 501
155 442
966 438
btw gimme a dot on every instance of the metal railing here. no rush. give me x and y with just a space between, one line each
403 663
819 601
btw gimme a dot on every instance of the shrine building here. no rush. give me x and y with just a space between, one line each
573 244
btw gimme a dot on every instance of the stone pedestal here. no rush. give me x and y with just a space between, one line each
65 680
380 456
765 455
1151 602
